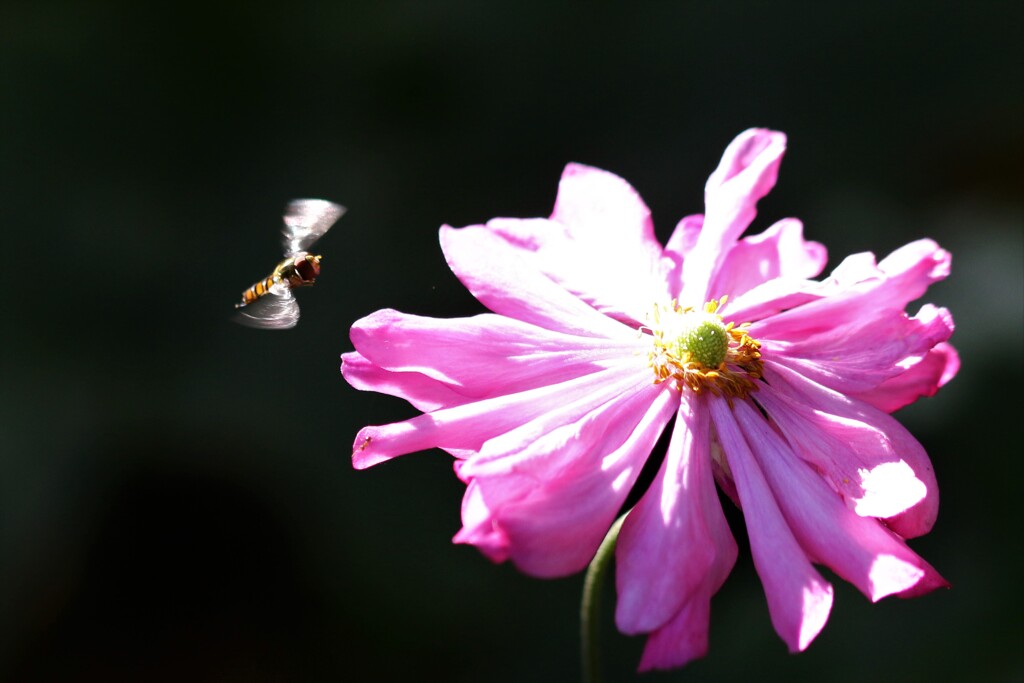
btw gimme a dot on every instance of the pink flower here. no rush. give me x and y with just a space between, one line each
780 386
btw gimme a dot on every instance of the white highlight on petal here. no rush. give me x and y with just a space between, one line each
623 480
817 603
889 574
889 489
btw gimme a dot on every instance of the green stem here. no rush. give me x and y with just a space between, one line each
589 606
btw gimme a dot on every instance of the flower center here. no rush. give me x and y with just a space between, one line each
700 351
698 336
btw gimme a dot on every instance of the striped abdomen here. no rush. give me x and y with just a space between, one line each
258 290
300 270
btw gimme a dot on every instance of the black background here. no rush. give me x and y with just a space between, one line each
176 498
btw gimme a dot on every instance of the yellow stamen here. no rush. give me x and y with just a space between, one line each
671 356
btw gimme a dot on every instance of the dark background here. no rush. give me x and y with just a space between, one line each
176 498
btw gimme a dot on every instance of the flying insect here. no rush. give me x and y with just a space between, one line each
270 303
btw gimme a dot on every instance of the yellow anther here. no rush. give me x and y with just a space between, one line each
685 349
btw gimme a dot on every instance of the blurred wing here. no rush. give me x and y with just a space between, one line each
276 310
305 221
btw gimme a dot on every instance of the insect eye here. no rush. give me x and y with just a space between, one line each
308 269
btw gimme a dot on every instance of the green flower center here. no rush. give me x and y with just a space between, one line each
699 351
702 337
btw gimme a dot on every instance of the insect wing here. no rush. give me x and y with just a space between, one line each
306 220
276 310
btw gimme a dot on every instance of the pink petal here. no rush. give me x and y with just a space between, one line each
466 427
682 241
669 543
844 450
685 636
616 279
858 292
778 252
858 354
602 211
775 296
502 280
852 269
479 357
683 639
599 244
549 507
858 549
423 392
477 527
747 173
799 599
608 253
770 298
528 448
915 266
922 378
869 457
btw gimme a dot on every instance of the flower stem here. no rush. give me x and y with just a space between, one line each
592 585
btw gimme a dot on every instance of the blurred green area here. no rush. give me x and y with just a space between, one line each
176 498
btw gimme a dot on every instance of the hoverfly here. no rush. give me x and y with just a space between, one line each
270 303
